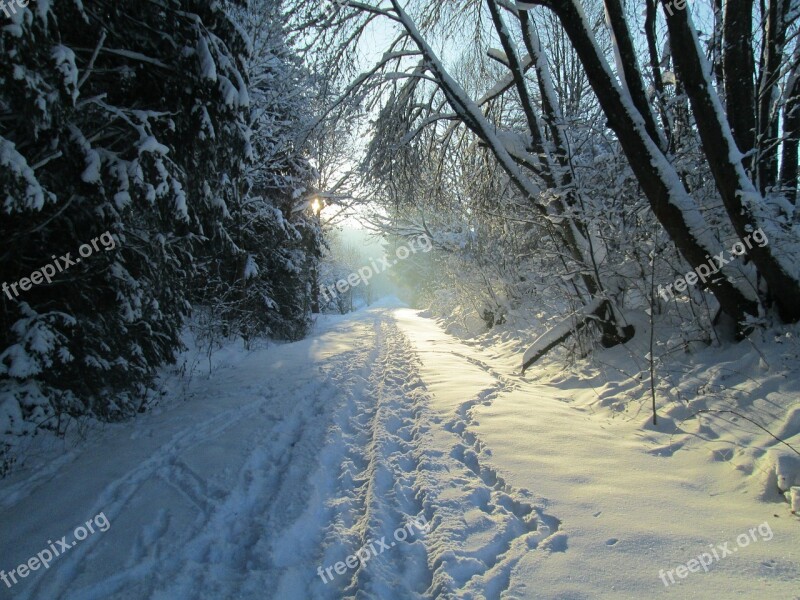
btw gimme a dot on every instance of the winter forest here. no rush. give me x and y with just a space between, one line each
399 299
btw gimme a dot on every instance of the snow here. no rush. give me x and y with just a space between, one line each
151 144
180 200
231 95
244 96
516 145
258 469
11 421
787 469
631 500
34 196
208 68
498 55
122 200
65 63
92 172
251 267
505 82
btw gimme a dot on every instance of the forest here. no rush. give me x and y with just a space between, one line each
593 201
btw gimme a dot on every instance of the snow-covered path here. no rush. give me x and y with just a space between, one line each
383 437
281 466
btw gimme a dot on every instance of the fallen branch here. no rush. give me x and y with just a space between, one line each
561 332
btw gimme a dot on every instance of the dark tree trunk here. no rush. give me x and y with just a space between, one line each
774 43
613 334
668 198
735 188
651 13
630 67
739 69
791 133
717 43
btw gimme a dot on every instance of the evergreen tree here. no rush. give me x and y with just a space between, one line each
166 133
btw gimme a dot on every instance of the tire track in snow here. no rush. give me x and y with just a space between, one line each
118 493
417 465
353 480
231 551
391 496
336 501
233 529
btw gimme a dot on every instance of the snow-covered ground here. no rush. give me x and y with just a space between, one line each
383 458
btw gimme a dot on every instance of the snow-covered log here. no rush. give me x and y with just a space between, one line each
558 334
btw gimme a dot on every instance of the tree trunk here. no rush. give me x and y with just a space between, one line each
774 43
739 196
558 177
669 200
791 133
739 67
630 69
471 116
612 333
651 14
717 43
